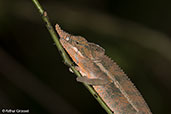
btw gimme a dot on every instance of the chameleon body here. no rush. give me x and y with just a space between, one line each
106 77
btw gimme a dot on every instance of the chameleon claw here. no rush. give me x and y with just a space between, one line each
71 70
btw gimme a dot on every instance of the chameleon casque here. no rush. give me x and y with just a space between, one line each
105 76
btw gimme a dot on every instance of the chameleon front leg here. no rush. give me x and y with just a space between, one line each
90 81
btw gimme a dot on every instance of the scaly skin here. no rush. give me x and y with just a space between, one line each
106 77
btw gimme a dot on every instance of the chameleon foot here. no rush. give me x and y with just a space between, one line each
71 70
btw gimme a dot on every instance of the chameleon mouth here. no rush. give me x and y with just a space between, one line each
66 45
63 42
72 51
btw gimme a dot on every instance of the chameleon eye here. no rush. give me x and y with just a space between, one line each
77 42
67 38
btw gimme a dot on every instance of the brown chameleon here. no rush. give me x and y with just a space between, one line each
106 77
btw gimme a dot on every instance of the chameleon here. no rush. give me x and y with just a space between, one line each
106 77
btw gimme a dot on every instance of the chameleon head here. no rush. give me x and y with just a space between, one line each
74 45
75 41
77 45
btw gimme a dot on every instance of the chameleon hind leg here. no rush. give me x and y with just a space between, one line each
90 81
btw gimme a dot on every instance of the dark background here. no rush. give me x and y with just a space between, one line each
136 34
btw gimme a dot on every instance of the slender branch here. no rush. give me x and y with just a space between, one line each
67 61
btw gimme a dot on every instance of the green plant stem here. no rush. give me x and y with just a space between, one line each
67 61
